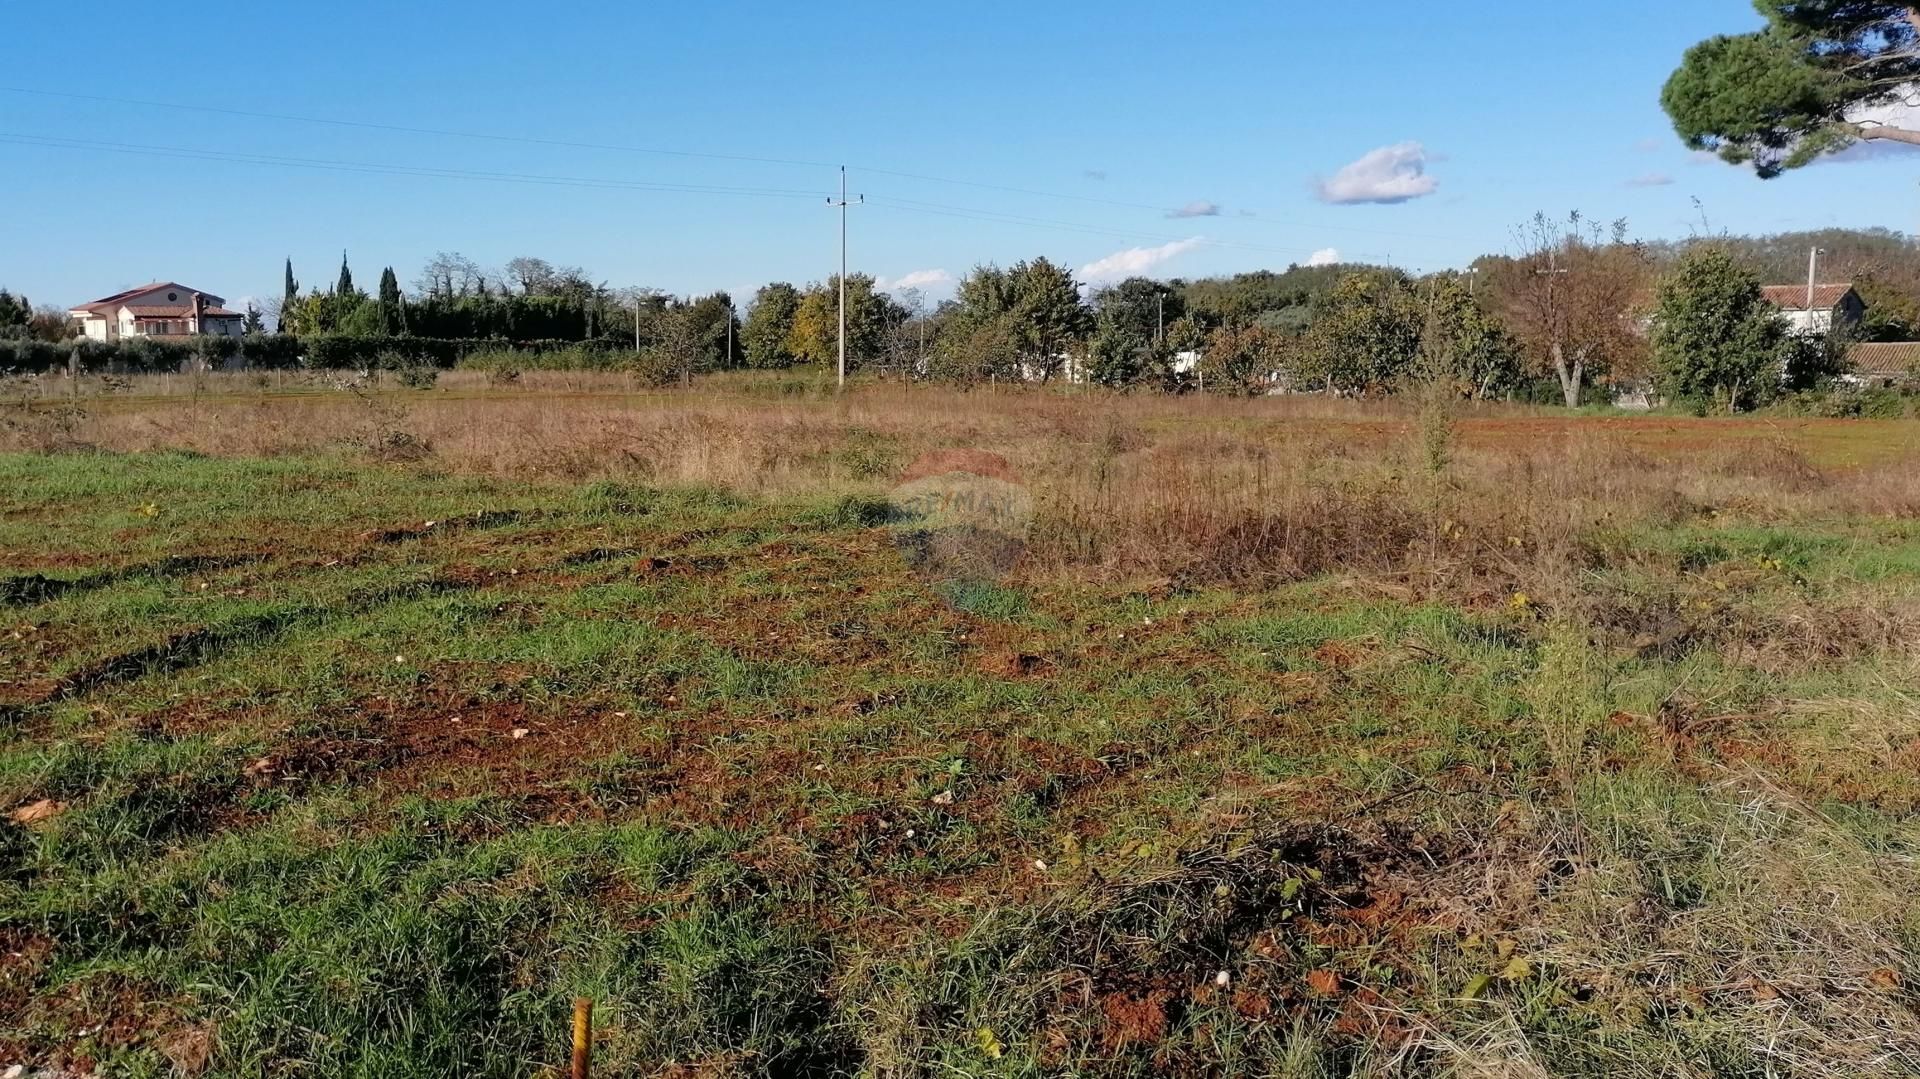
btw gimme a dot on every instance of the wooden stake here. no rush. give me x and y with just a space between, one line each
582 1037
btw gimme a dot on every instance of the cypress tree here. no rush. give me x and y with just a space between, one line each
345 286
288 301
389 301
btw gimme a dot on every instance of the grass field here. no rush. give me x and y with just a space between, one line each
355 732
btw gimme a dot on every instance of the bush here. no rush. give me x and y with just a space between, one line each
547 356
411 374
145 354
276 350
321 351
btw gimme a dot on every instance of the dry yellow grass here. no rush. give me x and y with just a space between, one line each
1128 485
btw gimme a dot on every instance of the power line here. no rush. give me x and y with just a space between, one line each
971 214
436 172
407 130
377 168
1251 218
659 151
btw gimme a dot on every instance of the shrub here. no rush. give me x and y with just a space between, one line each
276 350
411 374
546 356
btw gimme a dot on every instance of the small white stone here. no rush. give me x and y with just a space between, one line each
521 732
1040 865
1223 979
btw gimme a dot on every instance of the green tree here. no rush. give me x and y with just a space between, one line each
15 314
254 326
390 302
1782 96
1128 344
1715 336
981 297
715 332
871 315
1049 321
289 303
1117 357
769 326
1365 335
1242 359
1283 300
1893 314
1461 342
976 339
1138 308
344 286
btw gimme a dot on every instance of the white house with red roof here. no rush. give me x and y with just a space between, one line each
1819 310
161 309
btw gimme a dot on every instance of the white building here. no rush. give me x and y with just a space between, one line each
1833 307
162 309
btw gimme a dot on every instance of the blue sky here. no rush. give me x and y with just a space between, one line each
1107 121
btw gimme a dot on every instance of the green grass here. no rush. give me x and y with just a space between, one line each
344 794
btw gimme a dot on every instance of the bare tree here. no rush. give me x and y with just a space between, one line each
533 275
449 273
1570 299
907 332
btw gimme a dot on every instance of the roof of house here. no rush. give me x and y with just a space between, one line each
109 303
1889 359
1794 297
176 311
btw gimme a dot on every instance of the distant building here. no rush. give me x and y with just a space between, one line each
1834 307
162 309
1884 365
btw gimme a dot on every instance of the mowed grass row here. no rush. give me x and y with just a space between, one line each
326 789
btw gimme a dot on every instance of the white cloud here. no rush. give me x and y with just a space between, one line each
1651 179
1326 256
1197 208
1391 174
1135 260
920 279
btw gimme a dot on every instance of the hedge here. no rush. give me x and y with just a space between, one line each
150 354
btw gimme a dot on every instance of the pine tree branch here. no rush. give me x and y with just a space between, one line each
1883 133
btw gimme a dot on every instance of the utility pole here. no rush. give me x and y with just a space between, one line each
727 360
1813 273
1159 317
843 204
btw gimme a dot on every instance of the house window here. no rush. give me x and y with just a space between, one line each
173 297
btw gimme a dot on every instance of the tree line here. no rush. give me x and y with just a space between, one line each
1575 306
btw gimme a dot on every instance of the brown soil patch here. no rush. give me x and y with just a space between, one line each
976 462
1133 1020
